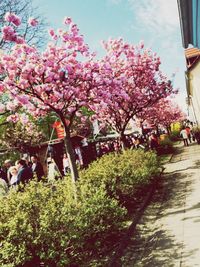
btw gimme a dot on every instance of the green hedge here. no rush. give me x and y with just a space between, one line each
165 146
62 226
175 135
44 224
121 174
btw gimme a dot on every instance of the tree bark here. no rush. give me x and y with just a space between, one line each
168 130
142 129
70 152
123 141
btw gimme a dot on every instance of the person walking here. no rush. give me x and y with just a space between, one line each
184 136
187 128
37 168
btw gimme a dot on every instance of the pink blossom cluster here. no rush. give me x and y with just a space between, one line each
32 22
11 17
2 108
131 81
9 32
66 77
163 113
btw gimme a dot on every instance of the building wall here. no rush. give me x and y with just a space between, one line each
194 90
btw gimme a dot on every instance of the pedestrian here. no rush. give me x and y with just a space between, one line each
53 171
14 173
24 172
65 164
8 164
37 167
3 175
187 128
153 141
184 136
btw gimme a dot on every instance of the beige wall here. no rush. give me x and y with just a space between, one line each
194 90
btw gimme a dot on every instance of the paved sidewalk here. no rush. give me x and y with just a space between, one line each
169 233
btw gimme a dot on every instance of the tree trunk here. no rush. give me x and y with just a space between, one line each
70 152
123 141
168 130
142 129
157 130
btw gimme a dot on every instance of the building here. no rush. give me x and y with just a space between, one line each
192 75
189 14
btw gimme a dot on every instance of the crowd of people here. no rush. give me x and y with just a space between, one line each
21 172
134 141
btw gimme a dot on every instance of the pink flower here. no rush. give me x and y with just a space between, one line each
20 40
23 99
9 34
51 32
24 118
11 106
11 17
2 108
67 20
32 22
1 87
14 118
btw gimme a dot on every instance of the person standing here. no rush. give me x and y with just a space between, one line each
24 172
37 167
153 141
53 171
3 175
65 164
184 136
8 164
14 173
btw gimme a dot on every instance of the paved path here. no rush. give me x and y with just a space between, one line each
169 233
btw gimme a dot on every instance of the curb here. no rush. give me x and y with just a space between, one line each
115 259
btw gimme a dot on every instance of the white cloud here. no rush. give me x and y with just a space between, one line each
157 15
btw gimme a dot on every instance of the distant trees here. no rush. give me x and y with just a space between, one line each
67 80
130 81
163 113
24 9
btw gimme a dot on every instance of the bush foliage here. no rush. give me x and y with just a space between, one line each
175 135
121 174
165 146
61 225
51 225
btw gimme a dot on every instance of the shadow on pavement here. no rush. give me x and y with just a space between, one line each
152 246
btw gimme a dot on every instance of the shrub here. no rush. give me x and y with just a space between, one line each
165 146
49 224
121 174
175 135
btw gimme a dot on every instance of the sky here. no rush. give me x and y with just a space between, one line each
156 22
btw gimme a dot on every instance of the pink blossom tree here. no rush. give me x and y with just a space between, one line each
129 81
163 113
57 80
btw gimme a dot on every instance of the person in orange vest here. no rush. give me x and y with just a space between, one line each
187 128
